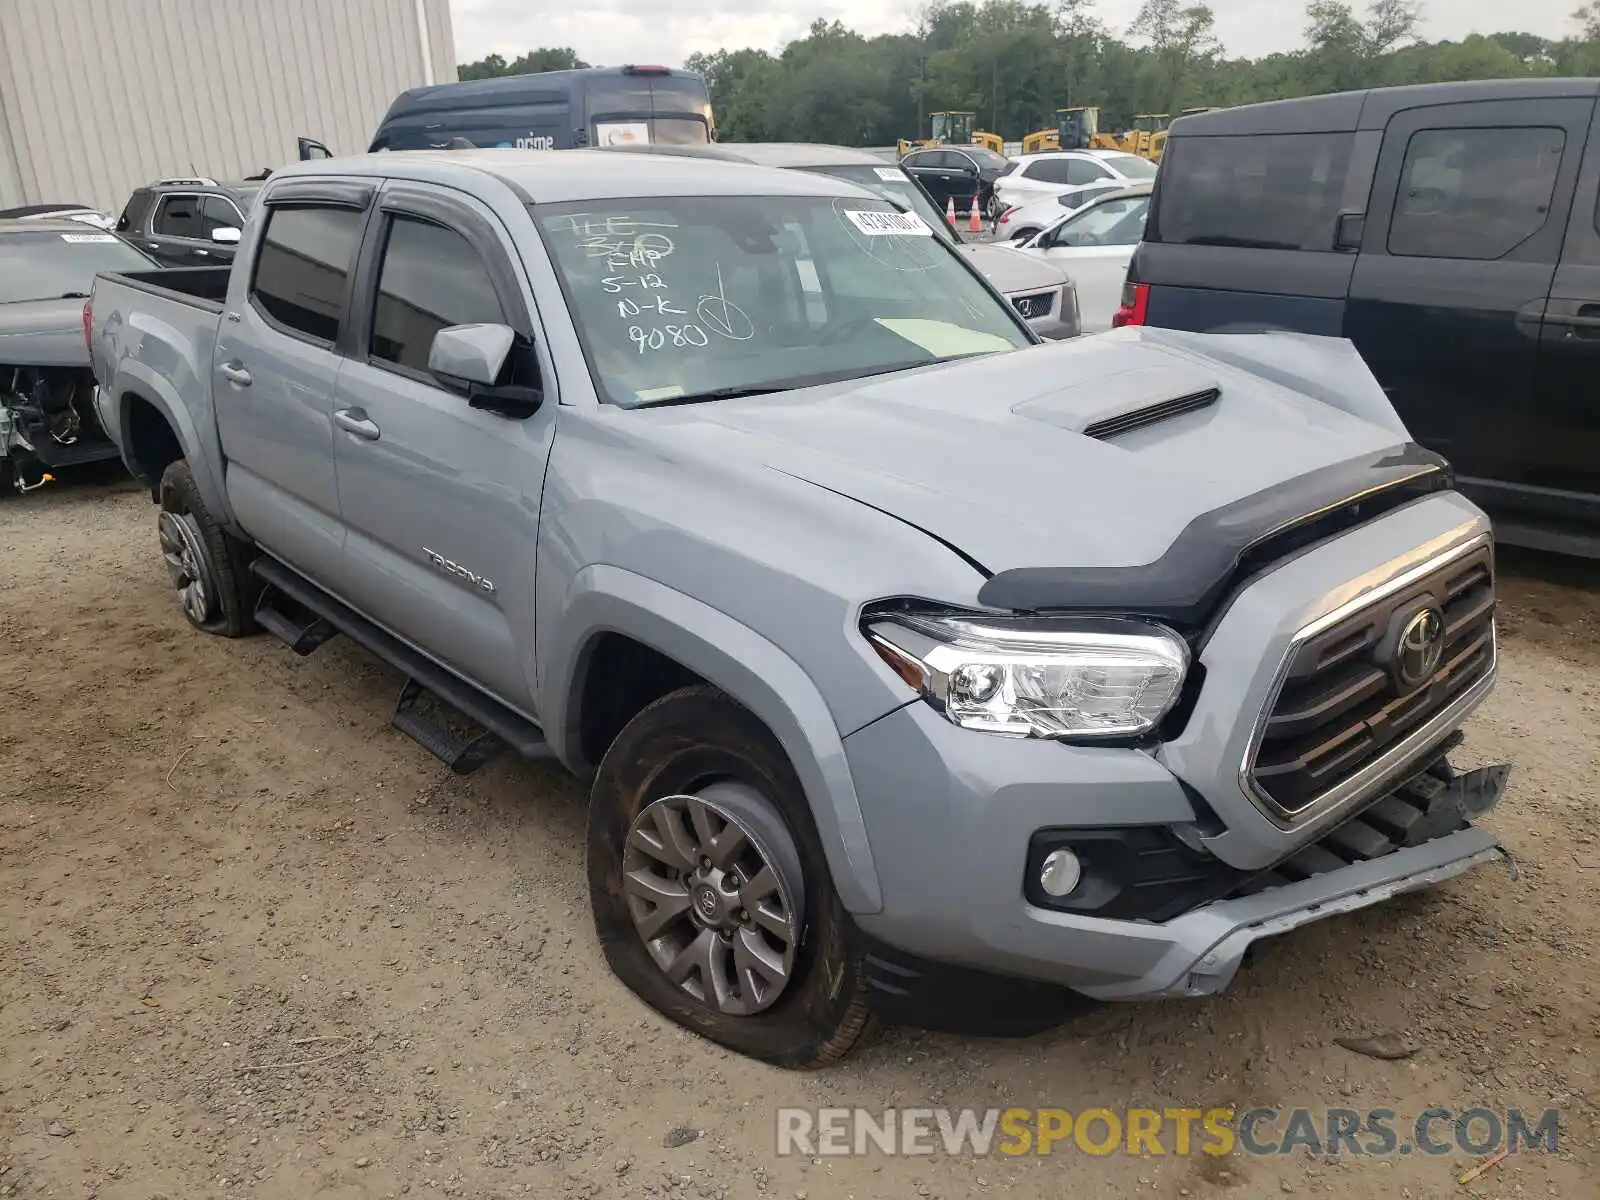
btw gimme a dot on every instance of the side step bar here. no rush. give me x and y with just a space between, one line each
303 616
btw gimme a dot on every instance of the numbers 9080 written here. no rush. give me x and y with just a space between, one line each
659 337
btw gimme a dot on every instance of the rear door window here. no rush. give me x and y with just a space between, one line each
303 267
1474 193
1049 170
178 217
1273 192
1081 171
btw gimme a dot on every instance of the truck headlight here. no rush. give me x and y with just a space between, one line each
1077 679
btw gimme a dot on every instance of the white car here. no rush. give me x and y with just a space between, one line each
1027 221
1076 175
1094 245
59 212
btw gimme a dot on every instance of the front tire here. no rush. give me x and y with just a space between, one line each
711 896
209 568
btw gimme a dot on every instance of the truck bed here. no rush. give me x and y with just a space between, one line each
202 287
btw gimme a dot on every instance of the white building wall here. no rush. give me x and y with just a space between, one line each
100 96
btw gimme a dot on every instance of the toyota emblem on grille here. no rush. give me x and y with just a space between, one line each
1420 648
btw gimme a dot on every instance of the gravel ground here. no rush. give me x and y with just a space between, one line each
258 944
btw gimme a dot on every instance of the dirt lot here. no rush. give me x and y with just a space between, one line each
256 943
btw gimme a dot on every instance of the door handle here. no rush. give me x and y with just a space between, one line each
202 253
1580 318
235 374
356 421
154 245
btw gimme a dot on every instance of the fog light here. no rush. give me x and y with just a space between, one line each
1060 873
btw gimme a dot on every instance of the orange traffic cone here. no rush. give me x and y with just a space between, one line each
950 210
974 221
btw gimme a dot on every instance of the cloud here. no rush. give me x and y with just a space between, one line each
614 32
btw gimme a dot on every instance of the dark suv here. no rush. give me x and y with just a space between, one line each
192 222
1450 231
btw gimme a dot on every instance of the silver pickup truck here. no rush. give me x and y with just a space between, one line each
918 668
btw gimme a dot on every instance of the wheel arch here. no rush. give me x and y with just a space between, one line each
145 404
703 644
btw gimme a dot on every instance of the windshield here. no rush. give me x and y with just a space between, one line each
700 296
52 266
895 186
985 158
1112 223
1130 166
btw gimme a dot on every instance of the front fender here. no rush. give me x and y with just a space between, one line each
751 669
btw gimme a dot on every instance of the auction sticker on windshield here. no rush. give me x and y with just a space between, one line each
78 239
892 174
874 223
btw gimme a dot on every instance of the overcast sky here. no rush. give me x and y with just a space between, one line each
618 31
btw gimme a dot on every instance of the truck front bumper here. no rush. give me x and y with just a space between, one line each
1197 954
956 888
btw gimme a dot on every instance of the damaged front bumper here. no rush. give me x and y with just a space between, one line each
49 419
1202 950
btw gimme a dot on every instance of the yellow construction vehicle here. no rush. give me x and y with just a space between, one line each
953 129
1141 138
1076 129
1158 140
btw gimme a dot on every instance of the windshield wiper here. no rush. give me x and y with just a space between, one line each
787 385
73 296
722 393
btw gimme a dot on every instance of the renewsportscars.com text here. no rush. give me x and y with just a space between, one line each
1260 1132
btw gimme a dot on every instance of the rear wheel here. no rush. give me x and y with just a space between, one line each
711 895
207 567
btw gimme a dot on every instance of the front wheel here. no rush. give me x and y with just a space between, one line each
711 896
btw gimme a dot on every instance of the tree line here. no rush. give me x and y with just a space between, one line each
1013 63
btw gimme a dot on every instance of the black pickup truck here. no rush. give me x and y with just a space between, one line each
1450 231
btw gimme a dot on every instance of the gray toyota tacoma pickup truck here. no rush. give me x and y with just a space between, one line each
918 668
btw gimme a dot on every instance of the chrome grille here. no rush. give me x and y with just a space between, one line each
1344 705
1034 306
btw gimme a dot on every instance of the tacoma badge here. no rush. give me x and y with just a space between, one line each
460 572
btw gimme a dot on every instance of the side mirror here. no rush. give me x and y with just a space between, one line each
226 236
472 360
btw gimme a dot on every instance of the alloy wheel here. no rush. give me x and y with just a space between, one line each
713 884
185 558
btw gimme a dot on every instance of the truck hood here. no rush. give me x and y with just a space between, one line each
1011 271
42 333
991 455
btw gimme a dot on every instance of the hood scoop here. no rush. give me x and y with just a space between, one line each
1112 405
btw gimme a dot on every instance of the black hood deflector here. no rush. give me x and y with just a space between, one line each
1219 548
